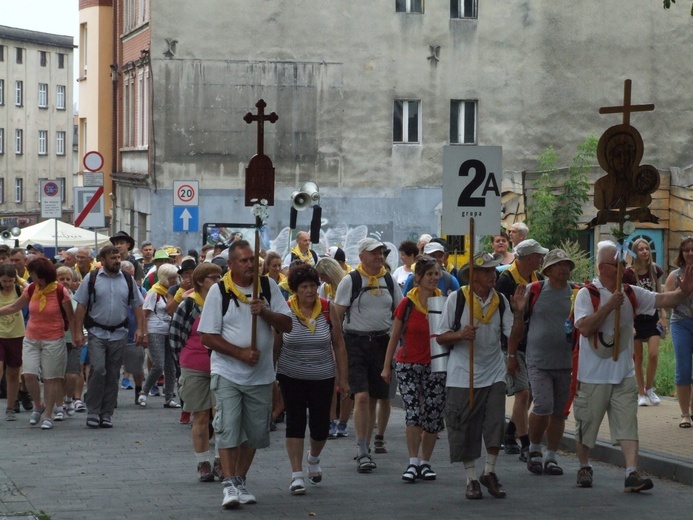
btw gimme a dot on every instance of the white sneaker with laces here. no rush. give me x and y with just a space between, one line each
231 499
142 400
244 496
643 400
654 398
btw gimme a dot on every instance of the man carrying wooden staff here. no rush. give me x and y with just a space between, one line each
468 425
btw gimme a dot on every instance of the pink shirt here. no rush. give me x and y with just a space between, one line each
46 324
194 354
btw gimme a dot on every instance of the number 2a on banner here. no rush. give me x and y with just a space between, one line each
480 177
471 188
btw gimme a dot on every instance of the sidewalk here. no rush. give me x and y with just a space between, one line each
665 449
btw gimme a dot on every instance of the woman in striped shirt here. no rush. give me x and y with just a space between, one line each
306 372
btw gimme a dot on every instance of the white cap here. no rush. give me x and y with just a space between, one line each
433 247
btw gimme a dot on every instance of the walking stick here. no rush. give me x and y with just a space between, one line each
256 281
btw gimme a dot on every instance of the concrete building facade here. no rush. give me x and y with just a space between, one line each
36 122
369 93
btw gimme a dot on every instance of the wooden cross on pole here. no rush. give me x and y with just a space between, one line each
626 108
259 186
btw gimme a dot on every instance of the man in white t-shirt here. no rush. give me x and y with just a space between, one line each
605 385
242 377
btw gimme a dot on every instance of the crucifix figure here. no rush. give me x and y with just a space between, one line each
259 175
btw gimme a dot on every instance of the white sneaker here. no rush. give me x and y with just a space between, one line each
142 400
244 496
654 398
231 499
643 400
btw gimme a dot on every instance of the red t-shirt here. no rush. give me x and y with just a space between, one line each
416 342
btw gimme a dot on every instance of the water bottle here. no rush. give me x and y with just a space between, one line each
568 326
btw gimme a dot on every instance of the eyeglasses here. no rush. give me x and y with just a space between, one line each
215 277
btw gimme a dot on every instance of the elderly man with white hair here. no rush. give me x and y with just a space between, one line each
518 232
606 385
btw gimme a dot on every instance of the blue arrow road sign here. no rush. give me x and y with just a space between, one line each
186 219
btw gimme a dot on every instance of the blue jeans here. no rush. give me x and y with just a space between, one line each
682 337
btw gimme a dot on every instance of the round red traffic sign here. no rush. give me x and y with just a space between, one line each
51 189
186 193
93 161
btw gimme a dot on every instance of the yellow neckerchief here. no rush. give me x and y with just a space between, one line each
308 258
347 268
26 274
518 277
40 294
329 292
284 284
178 297
197 298
413 295
79 273
230 286
159 289
372 280
308 322
478 310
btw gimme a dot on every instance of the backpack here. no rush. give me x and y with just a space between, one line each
574 336
226 297
447 282
91 298
357 290
459 309
294 256
59 293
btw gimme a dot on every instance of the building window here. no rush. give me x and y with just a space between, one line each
2 191
20 55
2 141
60 97
43 142
463 8
43 95
130 18
60 143
129 112
409 6
18 190
406 123
2 92
83 49
18 93
462 122
43 58
143 107
19 141
61 60
2 53
61 184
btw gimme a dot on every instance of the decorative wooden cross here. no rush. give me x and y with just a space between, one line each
259 175
626 108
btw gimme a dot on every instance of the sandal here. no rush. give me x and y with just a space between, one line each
426 473
685 420
534 463
364 463
410 473
314 471
297 487
551 467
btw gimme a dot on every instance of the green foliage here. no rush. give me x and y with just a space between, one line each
553 215
584 269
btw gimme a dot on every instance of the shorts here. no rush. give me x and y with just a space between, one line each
550 391
366 356
619 401
468 426
11 351
243 413
73 355
520 381
194 390
133 359
646 326
49 356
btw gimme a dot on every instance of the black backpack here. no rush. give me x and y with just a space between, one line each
357 289
91 296
226 297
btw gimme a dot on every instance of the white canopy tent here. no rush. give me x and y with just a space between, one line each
68 235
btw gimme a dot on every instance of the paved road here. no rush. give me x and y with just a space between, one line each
144 468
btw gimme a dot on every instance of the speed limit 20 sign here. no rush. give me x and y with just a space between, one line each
185 193
472 177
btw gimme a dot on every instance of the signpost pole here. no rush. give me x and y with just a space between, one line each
56 236
470 303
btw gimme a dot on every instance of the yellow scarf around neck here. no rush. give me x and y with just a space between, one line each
372 280
197 298
306 258
329 292
40 294
159 289
518 277
478 310
232 287
284 284
307 321
413 295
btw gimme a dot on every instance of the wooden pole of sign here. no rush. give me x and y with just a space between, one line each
619 280
470 306
256 282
